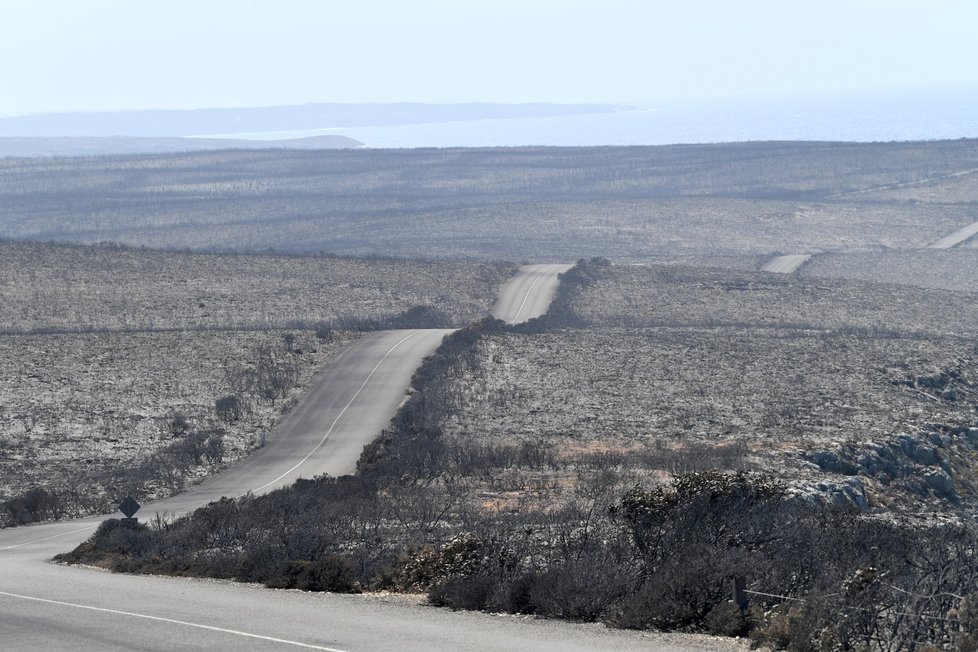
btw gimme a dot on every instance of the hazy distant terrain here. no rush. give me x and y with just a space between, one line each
197 122
539 204
109 145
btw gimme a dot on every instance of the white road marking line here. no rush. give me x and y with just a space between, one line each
340 415
53 536
212 628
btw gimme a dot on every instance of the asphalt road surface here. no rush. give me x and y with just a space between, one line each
956 238
786 264
528 294
44 606
789 264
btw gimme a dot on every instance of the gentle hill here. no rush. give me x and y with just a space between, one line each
55 288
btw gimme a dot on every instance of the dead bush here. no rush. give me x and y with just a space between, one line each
332 573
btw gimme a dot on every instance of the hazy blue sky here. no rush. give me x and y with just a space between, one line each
62 55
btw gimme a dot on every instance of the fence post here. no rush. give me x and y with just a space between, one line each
740 592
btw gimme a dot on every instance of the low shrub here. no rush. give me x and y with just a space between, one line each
474 592
332 573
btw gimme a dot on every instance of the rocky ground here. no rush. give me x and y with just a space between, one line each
879 421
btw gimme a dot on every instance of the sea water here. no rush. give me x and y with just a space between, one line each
864 116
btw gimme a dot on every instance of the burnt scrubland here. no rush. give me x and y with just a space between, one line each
140 372
537 204
854 392
948 269
665 428
543 469
70 288
88 418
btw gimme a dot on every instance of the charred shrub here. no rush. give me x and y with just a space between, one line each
115 542
577 591
726 619
426 566
36 504
682 592
474 592
229 409
331 573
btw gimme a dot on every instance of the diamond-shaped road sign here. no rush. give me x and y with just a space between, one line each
128 506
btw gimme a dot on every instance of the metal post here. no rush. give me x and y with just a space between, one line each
740 592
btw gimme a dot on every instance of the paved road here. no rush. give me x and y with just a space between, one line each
789 264
528 294
44 606
77 609
956 238
907 184
786 264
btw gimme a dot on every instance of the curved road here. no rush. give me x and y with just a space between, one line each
528 294
51 607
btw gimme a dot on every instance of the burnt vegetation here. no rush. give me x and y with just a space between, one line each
538 204
49 288
662 431
543 525
78 456
140 372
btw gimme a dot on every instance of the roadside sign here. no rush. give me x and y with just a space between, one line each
129 506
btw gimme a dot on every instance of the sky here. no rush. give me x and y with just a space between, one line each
91 55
